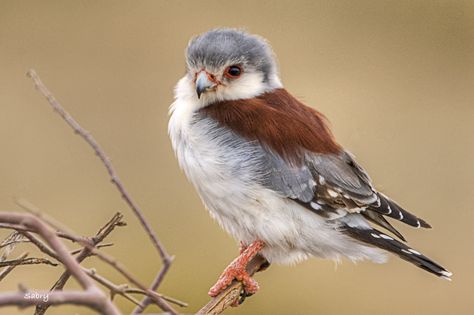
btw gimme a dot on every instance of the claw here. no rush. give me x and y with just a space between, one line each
231 273
237 270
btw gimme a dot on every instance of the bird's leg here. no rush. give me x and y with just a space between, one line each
237 270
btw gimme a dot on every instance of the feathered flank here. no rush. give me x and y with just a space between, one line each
278 121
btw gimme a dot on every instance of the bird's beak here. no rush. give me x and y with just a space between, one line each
204 82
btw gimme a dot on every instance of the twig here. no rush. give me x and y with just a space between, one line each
27 261
34 210
118 266
10 268
232 293
13 242
114 288
165 257
103 232
77 251
125 291
92 296
164 297
42 247
88 298
21 228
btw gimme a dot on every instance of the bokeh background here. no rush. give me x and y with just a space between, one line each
395 78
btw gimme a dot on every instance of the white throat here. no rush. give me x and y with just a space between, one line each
248 86
187 103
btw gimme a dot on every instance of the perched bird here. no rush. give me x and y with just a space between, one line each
268 169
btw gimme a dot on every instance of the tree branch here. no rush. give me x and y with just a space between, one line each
92 296
10 268
165 257
103 232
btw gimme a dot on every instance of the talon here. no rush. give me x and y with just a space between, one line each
243 295
237 270
237 273
264 266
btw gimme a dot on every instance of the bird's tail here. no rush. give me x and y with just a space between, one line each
376 238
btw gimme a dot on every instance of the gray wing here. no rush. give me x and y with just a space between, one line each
323 178
334 185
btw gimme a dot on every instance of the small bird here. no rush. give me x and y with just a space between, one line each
268 168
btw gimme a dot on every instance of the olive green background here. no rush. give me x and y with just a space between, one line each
395 78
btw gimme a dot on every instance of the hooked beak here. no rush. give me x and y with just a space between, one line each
203 83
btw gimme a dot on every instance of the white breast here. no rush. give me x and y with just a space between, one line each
224 169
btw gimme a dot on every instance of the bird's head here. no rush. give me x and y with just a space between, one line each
229 64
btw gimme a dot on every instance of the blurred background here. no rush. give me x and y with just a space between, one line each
395 78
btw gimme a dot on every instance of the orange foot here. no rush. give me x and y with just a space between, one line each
237 270
231 273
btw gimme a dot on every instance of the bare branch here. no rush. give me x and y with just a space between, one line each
118 266
91 249
103 232
27 261
10 268
95 297
77 251
34 210
40 245
114 288
79 130
88 298
105 160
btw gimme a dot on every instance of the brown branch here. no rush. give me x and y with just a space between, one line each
27 261
34 210
165 257
77 251
10 268
232 293
13 242
90 249
42 247
21 228
88 298
114 288
156 298
92 296
125 291
103 232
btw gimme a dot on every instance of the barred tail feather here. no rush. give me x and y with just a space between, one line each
390 208
376 238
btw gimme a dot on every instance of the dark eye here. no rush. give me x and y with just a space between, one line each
233 72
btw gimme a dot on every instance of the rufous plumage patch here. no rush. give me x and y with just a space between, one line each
278 121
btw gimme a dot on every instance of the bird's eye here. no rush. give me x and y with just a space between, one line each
233 72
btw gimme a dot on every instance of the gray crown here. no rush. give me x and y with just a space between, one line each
224 46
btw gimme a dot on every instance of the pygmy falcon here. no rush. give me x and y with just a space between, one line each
268 168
